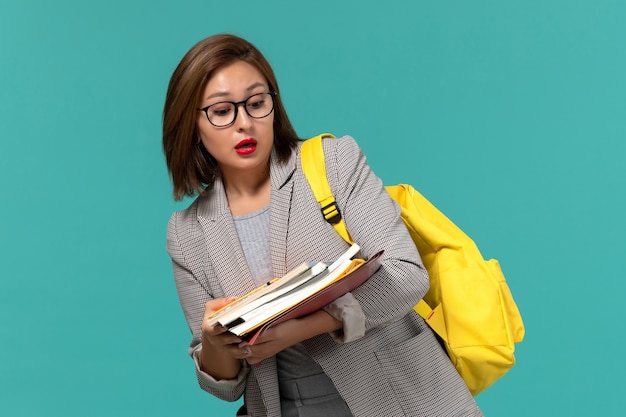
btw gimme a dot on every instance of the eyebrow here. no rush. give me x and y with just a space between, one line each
226 93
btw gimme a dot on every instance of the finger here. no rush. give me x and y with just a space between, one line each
230 339
214 332
252 355
213 305
243 349
209 330
222 337
249 355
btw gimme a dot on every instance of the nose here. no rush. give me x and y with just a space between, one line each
242 118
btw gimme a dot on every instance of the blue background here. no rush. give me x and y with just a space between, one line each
509 116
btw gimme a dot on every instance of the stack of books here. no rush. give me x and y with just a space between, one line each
303 290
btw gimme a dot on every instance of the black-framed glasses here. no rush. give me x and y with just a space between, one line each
224 113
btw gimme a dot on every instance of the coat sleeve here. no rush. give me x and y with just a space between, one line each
374 222
193 295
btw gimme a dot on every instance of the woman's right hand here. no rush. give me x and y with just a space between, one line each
217 336
220 355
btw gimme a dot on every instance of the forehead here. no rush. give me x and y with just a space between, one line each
234 79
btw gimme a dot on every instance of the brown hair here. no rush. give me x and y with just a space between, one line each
190 166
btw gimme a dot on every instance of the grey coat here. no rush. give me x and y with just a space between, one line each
398 368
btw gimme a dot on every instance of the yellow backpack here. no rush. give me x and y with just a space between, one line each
469 304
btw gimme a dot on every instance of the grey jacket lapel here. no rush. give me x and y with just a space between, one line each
282 193
223 247
225 254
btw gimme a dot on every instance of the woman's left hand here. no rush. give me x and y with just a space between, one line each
272 341
286 334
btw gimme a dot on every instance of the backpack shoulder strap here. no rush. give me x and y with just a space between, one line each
314 168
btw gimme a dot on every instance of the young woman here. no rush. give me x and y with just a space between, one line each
228 140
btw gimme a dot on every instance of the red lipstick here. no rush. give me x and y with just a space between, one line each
246 146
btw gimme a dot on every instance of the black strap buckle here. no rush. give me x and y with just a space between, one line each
331 213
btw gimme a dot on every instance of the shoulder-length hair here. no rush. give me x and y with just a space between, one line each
190 166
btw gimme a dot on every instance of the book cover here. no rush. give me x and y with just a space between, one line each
230 315
338 287
233 310
273 305
267 311
276 292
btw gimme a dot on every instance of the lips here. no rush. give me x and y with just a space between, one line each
246 146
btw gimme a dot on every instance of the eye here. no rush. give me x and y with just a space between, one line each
220 109
256 102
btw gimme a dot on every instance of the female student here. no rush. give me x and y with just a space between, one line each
227 140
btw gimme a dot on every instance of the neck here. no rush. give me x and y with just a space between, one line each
247 191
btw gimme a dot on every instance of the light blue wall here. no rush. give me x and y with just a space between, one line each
510 116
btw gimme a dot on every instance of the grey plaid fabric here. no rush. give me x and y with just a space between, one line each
398 368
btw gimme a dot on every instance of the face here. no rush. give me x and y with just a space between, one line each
245 145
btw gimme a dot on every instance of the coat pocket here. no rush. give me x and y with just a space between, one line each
423 378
